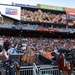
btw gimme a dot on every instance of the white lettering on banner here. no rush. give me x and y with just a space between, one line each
71 13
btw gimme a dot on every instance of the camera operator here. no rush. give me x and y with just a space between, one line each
65 67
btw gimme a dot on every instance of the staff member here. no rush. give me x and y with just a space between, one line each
64 66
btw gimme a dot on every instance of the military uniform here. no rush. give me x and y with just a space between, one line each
65 67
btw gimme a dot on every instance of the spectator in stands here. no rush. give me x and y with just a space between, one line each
46 17
4 53
24 45
40 16
1 42
0 48
6 45
31 59
38 44
47 53
12 49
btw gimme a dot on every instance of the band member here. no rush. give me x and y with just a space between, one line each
65 66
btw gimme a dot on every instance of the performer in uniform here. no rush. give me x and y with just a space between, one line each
65 66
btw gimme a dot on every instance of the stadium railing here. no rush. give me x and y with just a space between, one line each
34 27
40 70
37 70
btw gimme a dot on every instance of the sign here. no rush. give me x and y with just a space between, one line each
52 30
69 9
11 11
23 5
42 29
71 16
71 13
49 7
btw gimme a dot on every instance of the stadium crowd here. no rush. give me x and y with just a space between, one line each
34 46
40 16
21 44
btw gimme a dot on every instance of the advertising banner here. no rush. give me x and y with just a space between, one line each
42 29
11 11
52 30
23 5
69 9
49 7
71 16
70 12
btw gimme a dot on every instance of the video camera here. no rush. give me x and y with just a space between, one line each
69 55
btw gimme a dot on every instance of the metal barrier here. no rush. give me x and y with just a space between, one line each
26 70
50 70
38 70
35 69
2 71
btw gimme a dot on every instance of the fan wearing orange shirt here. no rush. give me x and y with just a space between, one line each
47 53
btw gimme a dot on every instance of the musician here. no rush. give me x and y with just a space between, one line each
65 67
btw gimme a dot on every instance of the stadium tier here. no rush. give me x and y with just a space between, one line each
34 19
